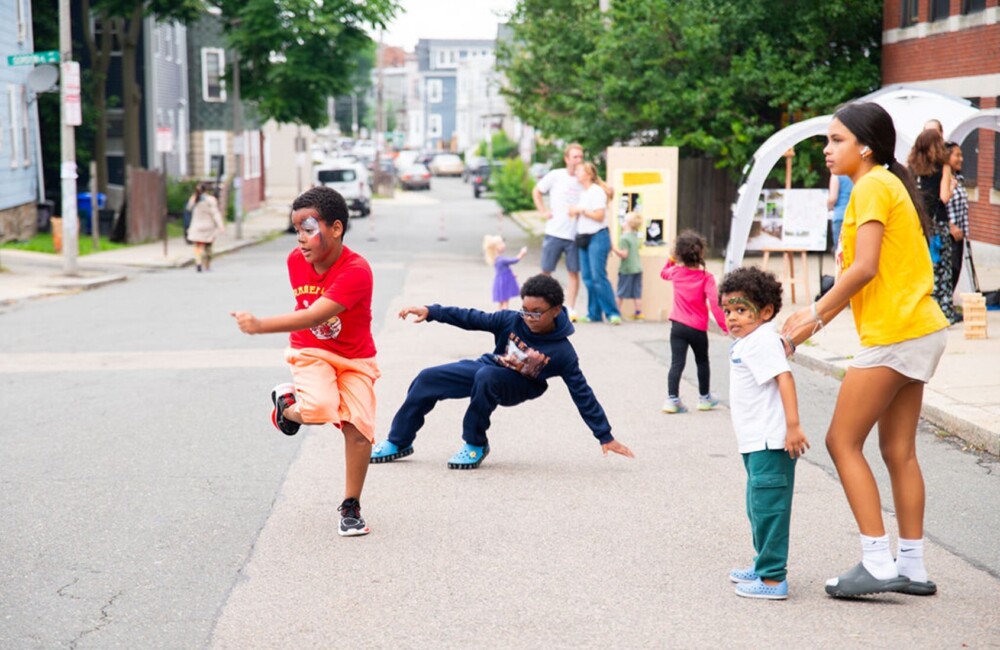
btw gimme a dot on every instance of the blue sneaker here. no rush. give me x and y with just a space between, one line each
743 575
708 402
468 457
386 451
757 589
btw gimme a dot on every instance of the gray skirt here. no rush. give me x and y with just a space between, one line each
916 358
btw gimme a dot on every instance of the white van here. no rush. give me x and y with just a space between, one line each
350 179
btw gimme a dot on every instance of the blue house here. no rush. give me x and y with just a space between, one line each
20 146
437 67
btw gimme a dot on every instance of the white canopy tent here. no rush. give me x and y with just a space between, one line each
910 109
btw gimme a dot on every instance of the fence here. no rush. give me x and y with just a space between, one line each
145 205
705 196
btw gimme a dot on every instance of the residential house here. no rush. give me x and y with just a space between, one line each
953 46
437 65
211 114
21 184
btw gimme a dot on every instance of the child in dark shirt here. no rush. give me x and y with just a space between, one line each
531 346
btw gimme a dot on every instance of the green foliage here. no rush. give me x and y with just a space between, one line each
713 77
502 146
513 186
296 53
42 243
178 193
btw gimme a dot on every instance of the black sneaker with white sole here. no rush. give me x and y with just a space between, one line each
352 523
283 396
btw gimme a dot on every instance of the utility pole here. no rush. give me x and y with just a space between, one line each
384 186
69 91
237 146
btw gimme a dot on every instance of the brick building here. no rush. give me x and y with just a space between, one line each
953 46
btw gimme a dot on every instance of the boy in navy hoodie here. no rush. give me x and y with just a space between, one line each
532 346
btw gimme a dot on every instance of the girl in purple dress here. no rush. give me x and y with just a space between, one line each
505 284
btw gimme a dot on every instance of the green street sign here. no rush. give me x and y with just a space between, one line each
34 58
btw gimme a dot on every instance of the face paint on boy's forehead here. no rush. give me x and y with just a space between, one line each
309 226
746 303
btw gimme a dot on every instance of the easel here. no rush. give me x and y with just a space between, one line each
788 256
788 270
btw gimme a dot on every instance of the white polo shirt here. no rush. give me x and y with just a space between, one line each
754 401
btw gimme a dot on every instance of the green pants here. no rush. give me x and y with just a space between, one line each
770 483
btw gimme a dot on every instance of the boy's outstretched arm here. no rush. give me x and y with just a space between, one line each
795 438
419 312
316 314
616 447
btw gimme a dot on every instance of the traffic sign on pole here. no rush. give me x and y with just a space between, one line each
34 58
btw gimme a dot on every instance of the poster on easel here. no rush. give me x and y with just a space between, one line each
643 191
788 220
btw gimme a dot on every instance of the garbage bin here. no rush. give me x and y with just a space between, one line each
85 209
45 210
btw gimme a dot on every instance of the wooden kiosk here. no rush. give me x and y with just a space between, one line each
645 181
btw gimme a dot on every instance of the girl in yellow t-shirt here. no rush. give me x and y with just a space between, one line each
887 280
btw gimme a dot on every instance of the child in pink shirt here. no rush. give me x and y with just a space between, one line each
694 293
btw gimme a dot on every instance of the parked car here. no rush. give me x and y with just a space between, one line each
446 164
481 178
415 177
351 180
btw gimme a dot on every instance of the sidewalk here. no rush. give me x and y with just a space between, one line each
963 397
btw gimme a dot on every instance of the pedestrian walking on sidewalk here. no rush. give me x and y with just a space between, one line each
206 224
887 280
531 347
765 413
694 295
331 352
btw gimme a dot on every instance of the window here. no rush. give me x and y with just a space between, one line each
434 91
251 144
970 152
12 103
441 59
336 175
215 145
98 27
168 42
434 126
22 27
972 6
911 13
940 9
25 126
213 65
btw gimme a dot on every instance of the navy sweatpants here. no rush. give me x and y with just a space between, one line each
488 386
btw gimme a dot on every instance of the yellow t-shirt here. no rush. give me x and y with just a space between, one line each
897 304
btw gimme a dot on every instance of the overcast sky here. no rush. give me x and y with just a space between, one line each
445 19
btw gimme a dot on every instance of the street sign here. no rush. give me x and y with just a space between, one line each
34 58
72 109
164 139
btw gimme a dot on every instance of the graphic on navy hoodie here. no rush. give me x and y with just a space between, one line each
520 357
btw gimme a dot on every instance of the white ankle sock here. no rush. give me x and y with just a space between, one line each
910 559
877 558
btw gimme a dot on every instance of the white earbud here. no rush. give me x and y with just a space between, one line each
865 150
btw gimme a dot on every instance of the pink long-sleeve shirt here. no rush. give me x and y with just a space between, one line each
695 292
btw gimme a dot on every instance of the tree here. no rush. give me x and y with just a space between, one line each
714 77
295 53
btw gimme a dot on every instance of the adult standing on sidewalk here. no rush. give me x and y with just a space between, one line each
958 212
564 191
593 240
887 279
206 223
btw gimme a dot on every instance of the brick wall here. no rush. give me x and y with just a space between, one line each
928 51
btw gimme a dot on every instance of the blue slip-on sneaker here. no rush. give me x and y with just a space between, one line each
468 457
386 451
743 575
859 582
757 589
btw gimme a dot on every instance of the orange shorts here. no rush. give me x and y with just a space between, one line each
332 389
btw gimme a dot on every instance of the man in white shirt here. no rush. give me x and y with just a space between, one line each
560 229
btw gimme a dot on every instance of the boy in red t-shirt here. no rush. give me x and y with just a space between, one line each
331 352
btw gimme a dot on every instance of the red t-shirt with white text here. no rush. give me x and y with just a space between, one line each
348 283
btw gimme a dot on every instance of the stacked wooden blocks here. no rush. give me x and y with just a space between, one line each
974 315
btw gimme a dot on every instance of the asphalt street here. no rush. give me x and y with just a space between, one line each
148 502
